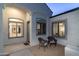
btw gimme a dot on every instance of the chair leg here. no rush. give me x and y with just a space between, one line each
39 47
55 43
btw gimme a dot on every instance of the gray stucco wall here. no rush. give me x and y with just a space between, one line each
34 19
1 31
72 39
62 41
36 10
33 7
10 12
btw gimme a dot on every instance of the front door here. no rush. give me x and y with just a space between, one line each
28 31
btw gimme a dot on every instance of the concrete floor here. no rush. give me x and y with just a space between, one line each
18 50
22 50
50 51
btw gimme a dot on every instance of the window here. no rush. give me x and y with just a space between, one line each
15 27
41 28
58 29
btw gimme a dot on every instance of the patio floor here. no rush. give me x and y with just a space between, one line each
22 50
50 51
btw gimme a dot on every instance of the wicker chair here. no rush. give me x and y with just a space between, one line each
42 42
52 40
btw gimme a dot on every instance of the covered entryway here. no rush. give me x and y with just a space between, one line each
16 27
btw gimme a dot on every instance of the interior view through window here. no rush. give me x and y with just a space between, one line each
15 27
41 28
58 29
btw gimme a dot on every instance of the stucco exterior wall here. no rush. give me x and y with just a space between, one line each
62 41
33 11
1 31
72 39
11 12
34 19
37 11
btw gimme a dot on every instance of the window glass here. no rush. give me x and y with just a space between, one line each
55 29
61 29
19 29
12 29
58 29
41 28
15 28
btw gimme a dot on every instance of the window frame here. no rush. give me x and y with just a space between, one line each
65 31
44 33
16 28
